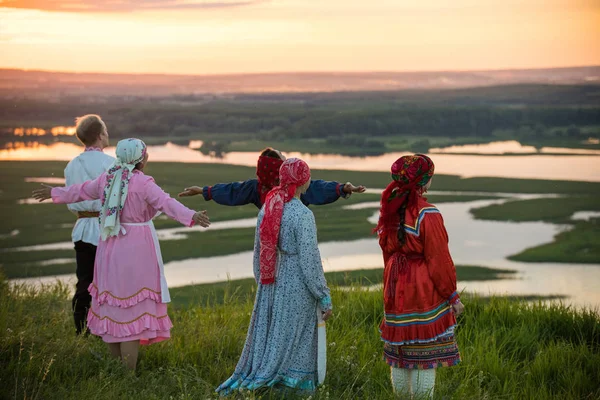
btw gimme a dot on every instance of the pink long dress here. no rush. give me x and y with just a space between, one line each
126 290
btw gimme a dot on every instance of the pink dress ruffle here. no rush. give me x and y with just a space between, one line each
108 298
147 328
126 291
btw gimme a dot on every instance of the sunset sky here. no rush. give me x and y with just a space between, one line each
229 36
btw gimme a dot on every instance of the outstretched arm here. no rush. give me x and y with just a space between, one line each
89 190
322 192
228 194
161 201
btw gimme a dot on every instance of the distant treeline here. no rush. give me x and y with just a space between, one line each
341 118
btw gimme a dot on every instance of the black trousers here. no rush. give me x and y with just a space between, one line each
85 255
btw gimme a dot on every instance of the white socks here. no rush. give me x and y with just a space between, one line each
418 383
423 381
401 381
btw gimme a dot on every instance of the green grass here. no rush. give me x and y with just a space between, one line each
208 294
509 349
397 143
16 270
579 244
48 223
557 210
41 223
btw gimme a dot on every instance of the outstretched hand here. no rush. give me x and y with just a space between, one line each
42 194
201 218
350 188
191 191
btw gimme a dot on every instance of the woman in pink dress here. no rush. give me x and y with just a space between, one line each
129 290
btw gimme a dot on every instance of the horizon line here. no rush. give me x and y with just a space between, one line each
301 72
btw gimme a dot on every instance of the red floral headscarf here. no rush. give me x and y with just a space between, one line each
267 171
292 174
408 173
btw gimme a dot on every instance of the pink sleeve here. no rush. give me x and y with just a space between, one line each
88 190
161 201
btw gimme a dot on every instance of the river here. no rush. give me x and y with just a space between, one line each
472 242
584 167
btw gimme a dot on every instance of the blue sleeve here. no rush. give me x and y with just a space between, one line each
323 192
233 194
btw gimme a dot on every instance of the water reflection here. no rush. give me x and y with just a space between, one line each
509 147
55 131
581 168
57 261
46 179
585 215
12 233
472 242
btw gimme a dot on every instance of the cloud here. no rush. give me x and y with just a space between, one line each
123 5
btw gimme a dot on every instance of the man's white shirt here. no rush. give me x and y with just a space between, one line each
87 166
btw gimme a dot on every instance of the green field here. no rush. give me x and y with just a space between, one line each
556 210
580 243
510 350
48 223
209 294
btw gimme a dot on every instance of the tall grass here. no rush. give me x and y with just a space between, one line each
510 350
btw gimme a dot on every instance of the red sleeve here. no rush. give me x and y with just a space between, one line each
437 256
388 244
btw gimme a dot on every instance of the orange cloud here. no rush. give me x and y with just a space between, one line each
122 5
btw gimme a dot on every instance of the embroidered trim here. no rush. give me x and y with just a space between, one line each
427 365
453 298
128 322
415 230
417 318
125 298
239 381
448 332
325 303
94 149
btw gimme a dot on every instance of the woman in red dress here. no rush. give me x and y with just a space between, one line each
420 298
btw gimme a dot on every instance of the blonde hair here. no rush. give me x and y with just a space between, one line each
88 128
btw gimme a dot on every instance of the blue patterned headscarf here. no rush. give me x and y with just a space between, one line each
129 153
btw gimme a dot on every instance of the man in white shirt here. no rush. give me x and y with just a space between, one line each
91 131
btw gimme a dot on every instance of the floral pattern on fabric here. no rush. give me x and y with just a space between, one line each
267 172
292 174
408 173
281 344
129 153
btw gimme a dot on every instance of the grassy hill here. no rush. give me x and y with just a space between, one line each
510 350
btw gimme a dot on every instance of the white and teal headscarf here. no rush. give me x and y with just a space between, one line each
129 153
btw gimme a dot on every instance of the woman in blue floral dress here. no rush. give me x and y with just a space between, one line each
281 345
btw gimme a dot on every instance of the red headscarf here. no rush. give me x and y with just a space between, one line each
408 173
267 171
292 174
